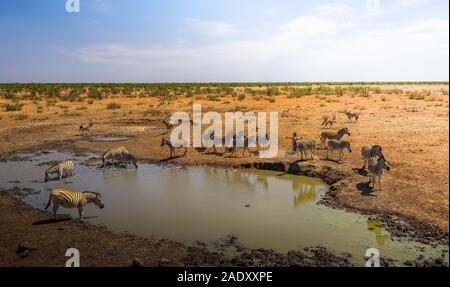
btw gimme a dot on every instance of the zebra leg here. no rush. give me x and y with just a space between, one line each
80 212
61 173
55 208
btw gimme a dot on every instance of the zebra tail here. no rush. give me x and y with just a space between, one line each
49 201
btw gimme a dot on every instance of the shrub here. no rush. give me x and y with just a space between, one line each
13 107
241 97
113 106
20 117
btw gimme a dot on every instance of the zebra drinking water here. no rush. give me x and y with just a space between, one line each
70 199
118 155
328 135
127 158
114 154
62 168
338 145
367 152
376 166
180 144
304 145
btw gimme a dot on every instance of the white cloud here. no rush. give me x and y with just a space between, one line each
325 46
410 2
210 27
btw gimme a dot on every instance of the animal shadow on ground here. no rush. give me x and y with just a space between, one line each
51 221
360 171
365 189
54 221
332 160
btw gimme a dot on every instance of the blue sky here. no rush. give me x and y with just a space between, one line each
223 41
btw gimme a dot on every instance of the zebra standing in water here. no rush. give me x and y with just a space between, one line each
126 157
338 145
181 144
328 135
376 166
115 154
64 167
70 199
367 152
302 146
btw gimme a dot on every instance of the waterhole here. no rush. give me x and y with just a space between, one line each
264 209
109 138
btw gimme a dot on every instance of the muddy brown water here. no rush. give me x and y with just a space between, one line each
264 209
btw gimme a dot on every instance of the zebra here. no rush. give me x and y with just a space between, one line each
329 120
376 166
168 124
263 142
70 199
303 145
113 154
333 135
294 138
338 145
86 128
126 157
351 115
181 144
367 152
64 167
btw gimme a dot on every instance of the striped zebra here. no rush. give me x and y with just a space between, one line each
328 135
127 158
367 152
263 142
329 120
62 168
114 154
351 115
304 145
180 144
168 124
376 166
338 145
70 199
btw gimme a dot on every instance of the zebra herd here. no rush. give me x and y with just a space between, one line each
332 141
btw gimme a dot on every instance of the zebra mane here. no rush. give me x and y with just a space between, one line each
93 192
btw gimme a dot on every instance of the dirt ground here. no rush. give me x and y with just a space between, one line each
413 133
